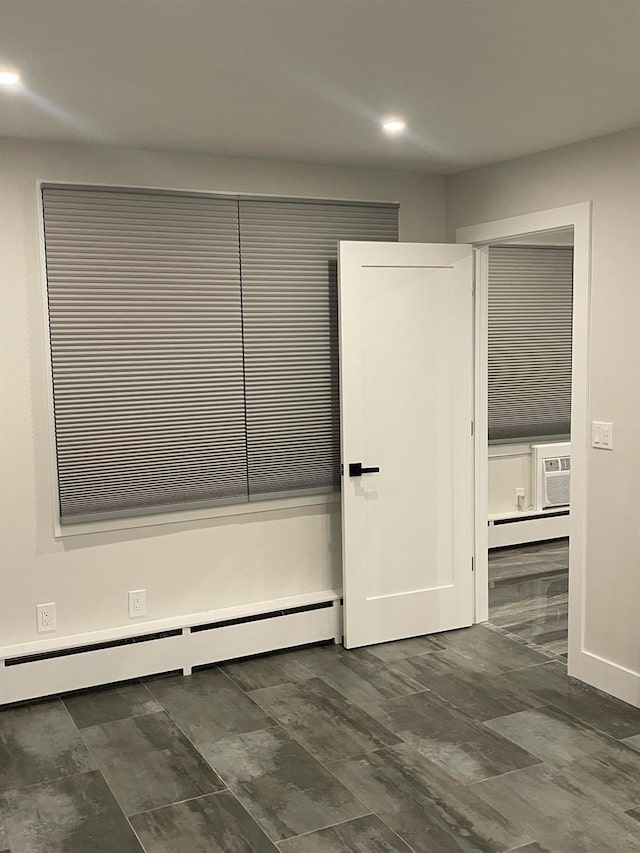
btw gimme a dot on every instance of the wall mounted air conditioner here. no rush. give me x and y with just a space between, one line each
551 475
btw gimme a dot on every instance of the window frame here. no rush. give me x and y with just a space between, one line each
324 500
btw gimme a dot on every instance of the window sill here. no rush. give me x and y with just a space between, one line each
181 516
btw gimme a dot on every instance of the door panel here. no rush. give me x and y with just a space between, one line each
406 392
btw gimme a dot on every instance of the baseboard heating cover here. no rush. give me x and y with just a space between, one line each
34 670
534 528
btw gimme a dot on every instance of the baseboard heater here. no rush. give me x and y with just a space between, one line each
536 527
59 670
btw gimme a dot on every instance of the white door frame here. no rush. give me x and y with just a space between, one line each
578 217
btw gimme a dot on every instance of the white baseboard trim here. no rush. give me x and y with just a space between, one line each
535 529
610 677
28 674
155 626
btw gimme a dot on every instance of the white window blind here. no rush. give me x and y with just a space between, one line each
194 345
530 316
289 288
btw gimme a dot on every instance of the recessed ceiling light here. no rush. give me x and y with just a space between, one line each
393 125
9 78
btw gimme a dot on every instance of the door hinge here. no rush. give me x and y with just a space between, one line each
473 564
472 427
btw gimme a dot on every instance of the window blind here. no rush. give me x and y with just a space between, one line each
289 291
146 349
530 317
194 345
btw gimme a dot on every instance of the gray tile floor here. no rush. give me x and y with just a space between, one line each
464 741
528 594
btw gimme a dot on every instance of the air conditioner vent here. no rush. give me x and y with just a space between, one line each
552 475
557 489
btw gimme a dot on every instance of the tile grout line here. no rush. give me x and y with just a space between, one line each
180 802
462 784
397 835
508 773
106 781
531 665
350 702
228 787
240 661
330 826
343 823
516 638
121 719
380 818
582 723
313 758
574 716
191 743
27 788
521 641
473 719
386 665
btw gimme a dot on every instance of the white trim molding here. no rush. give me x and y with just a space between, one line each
611 677
176 516
481 236
481 433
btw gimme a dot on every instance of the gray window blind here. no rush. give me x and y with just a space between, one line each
530 315
289 287
146 347
194 345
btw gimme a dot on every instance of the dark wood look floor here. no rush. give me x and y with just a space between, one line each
464 741
528 594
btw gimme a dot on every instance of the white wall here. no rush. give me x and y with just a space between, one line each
607 172
186 567
196 566
509 469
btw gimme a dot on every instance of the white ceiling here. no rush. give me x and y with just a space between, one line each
477 80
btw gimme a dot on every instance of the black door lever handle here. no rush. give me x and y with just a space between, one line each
356 469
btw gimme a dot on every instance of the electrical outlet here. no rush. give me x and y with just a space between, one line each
46 614
137 602
520 499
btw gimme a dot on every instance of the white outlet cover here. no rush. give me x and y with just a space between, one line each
137 603
46 615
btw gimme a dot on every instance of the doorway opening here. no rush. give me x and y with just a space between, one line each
537 229
529 341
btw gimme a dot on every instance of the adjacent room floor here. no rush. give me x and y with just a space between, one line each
464 741
528 594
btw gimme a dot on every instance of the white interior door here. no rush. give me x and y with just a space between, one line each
406 383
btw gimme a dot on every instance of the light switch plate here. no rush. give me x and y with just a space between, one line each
602 435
